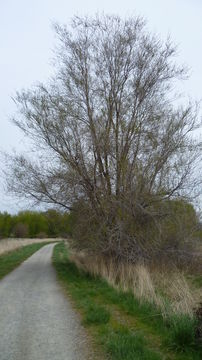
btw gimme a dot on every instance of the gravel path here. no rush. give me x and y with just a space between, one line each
36 320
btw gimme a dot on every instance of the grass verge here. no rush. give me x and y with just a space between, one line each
122 326
10 260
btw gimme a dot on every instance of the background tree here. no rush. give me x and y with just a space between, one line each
54 222
6 225
112 143
20 230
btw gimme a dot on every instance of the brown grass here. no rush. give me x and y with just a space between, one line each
168 289
7 245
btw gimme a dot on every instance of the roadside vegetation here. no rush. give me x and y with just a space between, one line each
9 260
171 290
123 325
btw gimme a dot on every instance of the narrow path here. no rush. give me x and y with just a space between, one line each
36 320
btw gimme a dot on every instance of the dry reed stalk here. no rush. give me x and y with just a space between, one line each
146 284
180 293
143 285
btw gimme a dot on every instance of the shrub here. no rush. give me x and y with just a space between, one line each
42 235
20 230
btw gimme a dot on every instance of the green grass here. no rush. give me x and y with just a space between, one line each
96 315
124 327
123 344
182 333
9 261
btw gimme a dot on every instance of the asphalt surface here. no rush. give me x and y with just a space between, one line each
36 320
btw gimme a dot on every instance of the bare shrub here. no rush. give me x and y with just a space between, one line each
20 230
42 235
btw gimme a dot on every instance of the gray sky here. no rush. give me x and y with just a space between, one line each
27 40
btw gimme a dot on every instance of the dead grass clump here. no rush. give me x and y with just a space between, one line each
143 286
183 300
169 290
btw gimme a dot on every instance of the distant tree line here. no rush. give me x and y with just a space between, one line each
50 223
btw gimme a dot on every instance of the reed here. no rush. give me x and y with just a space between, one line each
167 289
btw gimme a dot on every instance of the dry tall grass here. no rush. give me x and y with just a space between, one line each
7 245
169 290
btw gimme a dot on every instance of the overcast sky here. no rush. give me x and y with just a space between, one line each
27 40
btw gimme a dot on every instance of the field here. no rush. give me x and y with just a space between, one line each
7 245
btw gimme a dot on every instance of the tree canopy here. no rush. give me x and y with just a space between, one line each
112 143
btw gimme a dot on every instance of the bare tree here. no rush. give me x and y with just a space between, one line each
112 143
